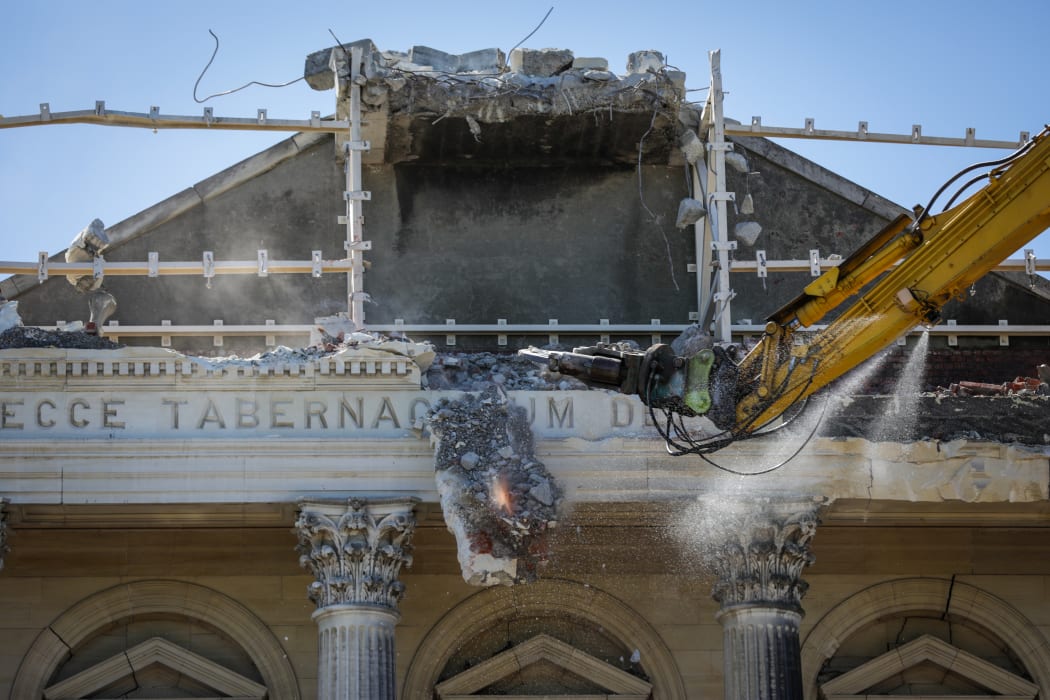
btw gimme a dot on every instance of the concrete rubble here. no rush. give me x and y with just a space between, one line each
484 88
498 500
32 337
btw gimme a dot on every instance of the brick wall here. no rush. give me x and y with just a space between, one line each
945 366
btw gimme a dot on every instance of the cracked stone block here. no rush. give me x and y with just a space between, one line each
484 60
599 75
582 63
540 62
645 62
321 66
438 60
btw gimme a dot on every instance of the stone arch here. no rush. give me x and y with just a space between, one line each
489 607
158 596
914 595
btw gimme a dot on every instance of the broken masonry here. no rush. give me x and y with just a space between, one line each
499 501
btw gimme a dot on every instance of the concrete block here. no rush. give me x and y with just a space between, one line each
322 66
677 78
645 61
581 63
481 61
540 62
599 75
438 60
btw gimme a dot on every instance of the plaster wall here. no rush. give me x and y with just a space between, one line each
578 240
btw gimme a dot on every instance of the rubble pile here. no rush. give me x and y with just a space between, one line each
498 500
480 371
1020 385
32 337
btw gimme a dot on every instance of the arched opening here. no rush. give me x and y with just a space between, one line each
928 618
544 623
250 657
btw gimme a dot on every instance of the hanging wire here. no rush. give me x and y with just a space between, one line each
215 52
529 35
986 164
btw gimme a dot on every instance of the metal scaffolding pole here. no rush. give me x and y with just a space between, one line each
717 225
354 196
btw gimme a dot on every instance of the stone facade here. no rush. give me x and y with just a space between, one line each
186 526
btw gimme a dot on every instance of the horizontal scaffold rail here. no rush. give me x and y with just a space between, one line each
201 268
252 267
753 266
809 131
113 329
155 120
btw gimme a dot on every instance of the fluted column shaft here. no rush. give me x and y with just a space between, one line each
356 550
3 532
355 652
762 653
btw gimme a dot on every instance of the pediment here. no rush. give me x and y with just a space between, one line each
151 653
545 649
928 650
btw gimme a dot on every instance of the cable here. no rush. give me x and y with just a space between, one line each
230 92
529 35
987 164
962 189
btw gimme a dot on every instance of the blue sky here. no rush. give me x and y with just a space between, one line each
945 65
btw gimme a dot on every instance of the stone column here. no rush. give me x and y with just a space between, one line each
759 557
355 550
3 532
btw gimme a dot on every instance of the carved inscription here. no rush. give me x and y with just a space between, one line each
589 414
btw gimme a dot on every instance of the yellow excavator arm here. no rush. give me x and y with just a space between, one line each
899 279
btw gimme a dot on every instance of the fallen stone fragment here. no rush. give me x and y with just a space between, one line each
737 161
689 212
498 500
747 232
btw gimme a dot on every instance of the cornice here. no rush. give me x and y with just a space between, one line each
157 368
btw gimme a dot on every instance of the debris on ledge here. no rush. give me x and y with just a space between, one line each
32 337
498 500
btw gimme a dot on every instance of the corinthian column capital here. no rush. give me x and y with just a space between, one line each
355 550
761 549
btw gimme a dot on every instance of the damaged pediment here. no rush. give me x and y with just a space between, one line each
540 104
